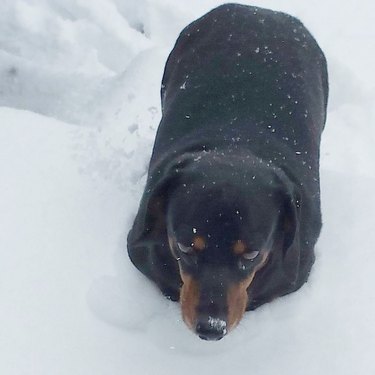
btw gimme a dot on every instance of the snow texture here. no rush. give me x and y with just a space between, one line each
79 97
217 323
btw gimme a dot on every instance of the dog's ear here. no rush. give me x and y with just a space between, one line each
147 240
149 226
290 227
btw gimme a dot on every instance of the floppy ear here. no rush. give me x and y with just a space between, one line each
149 224
291 231
147 240
149 228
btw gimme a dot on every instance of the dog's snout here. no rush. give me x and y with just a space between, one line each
211 328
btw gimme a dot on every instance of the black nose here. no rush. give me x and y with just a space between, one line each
211 329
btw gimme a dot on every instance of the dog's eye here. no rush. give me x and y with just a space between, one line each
246 259
251 255
185 249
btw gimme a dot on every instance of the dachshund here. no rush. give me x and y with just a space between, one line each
231 209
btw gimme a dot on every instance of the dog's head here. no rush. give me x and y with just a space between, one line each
222 234
233 228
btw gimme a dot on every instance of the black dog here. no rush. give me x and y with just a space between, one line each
231 210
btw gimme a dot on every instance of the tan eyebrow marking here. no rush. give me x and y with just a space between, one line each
239 247
199 243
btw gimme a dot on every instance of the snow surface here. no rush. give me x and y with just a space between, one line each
79 97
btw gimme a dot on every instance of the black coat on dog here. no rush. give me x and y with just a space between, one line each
231 209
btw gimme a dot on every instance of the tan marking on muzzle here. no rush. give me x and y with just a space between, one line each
237 297
189 293
189 299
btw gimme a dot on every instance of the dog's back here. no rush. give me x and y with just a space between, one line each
248 68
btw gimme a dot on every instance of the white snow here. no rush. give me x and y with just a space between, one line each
79 97
217 324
